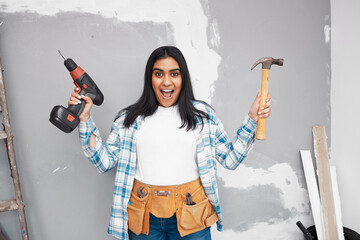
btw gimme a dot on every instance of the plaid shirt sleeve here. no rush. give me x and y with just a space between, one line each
231 153
104 155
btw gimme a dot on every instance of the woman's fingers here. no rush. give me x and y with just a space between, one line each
74 98
85 115
87 99
73 101
265 111
267 104
75 94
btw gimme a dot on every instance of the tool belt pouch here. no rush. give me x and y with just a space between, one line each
163 206
136 212
196 217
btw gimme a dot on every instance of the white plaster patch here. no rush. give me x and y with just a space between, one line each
187 18
327 29
283 230
293 197
214 34
60 169
280 175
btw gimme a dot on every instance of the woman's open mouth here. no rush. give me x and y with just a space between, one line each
167 93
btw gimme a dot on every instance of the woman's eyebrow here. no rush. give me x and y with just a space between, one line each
172 70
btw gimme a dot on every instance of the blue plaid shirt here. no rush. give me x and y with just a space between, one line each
120 148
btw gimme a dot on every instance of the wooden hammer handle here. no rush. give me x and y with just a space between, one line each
261 127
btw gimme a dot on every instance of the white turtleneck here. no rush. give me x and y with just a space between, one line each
166 154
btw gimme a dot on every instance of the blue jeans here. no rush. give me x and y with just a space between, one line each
166 229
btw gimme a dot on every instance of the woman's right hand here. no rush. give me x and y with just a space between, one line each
75 99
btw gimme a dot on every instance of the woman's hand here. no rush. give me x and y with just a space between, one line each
264 112
75 99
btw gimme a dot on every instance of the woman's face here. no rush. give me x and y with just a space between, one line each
166 81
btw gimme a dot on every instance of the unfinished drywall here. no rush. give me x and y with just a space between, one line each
345 128
66 198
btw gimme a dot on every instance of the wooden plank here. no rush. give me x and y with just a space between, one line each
8 205
313 191
337 204
327 202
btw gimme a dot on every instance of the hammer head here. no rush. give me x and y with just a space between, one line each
267 62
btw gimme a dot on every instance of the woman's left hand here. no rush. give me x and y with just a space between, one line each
264 112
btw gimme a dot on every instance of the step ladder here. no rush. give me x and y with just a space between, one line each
17 203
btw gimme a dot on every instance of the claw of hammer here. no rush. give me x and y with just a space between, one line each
267 62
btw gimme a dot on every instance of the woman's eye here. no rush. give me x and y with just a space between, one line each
175 74
158 74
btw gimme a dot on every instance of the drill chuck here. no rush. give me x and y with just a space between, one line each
70 64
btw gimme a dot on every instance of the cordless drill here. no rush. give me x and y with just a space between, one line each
67 119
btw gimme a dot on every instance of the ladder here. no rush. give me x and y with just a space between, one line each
17 203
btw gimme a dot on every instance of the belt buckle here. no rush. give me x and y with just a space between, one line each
162 193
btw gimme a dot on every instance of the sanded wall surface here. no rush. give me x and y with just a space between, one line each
65 196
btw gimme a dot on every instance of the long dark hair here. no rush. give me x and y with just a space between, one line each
147 104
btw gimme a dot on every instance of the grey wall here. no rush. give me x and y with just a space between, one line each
345 83
66 198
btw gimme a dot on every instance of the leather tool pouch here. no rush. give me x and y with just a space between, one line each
162 204
136 212
196 217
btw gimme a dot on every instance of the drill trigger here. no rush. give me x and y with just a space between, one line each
78 87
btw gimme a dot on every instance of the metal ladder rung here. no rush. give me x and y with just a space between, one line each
3 135
8 205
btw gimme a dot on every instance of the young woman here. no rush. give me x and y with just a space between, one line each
165 147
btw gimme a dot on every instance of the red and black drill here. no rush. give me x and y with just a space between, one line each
67 119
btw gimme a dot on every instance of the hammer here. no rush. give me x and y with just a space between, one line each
266 65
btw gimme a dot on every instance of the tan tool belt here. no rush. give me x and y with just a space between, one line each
164 201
